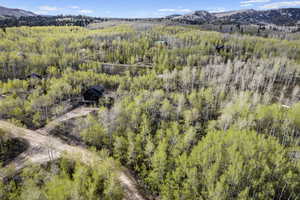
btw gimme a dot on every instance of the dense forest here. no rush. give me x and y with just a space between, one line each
66 20
195 115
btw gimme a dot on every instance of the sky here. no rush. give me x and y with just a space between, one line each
141 8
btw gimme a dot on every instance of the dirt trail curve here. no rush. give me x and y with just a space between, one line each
76 113
44 148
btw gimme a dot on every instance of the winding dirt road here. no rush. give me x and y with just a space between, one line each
76 113
43 148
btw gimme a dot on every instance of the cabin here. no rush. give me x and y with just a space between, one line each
161 43
2 96
93 94
219 48
34 76
295 155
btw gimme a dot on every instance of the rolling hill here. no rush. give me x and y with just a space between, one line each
284 16
12 12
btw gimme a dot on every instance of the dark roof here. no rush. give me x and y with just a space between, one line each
93 93
97 89
161 42
34 75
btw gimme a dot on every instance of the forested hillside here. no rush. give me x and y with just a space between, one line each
193 114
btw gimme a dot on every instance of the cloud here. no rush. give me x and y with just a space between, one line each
74 7
48 8
246 5
44 10
174 10
40 12
281 4
157 14
86 11
217 10
249 3
254 1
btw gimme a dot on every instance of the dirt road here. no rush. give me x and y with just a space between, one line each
76 113
44 148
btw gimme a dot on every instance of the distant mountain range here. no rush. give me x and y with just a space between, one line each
11 12
284 16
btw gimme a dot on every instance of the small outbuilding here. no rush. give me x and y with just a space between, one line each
34 76
94 93
161 43
219 48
